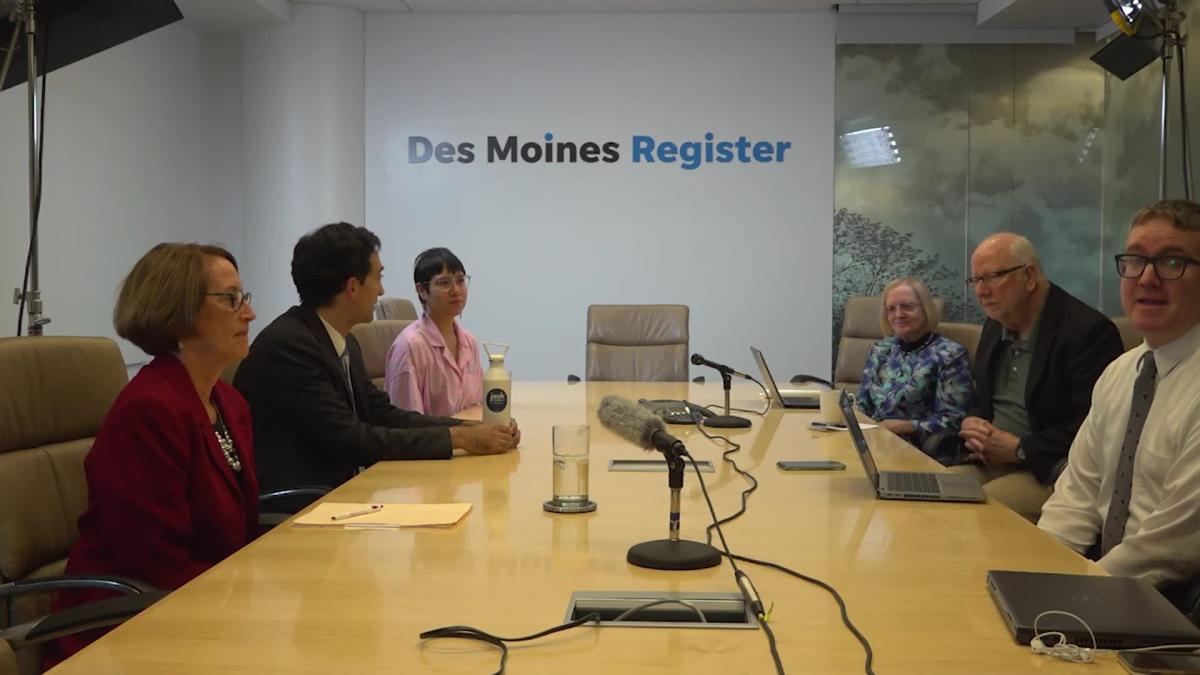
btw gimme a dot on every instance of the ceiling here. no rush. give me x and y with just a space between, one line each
236 15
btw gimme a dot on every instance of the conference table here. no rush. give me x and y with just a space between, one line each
304 600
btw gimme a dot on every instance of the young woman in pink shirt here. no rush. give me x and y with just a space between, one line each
434 366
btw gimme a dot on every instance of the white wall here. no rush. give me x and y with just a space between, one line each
747 246
140 148
302 105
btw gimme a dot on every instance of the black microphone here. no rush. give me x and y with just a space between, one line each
725 421
698 360
635 424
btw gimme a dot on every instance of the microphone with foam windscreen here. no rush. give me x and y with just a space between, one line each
636 425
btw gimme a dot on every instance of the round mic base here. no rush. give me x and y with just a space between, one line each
665 554
569 507
726 422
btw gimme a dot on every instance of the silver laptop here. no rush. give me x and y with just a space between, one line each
787 398
917 486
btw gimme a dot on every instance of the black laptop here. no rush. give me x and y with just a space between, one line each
1123 612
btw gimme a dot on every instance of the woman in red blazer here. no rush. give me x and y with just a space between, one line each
171 476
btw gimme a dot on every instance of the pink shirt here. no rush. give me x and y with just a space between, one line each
422 377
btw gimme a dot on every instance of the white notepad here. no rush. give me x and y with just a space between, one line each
387 516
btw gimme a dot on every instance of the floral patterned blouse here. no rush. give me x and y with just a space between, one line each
927 383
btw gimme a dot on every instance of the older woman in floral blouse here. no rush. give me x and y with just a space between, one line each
916 382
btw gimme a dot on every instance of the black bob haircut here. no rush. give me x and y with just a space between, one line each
327 257
431 262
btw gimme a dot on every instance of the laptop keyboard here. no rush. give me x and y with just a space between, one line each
909 481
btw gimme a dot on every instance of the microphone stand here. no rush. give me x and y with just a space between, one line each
674 553
726 421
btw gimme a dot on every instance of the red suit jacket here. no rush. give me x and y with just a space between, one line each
163 503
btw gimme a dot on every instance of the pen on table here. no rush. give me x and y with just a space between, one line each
361 512
826 425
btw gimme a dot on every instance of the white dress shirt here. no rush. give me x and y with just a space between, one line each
1162 535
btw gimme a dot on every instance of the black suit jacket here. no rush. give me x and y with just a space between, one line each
305 430
1074 345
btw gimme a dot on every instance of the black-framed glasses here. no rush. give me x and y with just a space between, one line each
444 284
1167 267
236 298
992 277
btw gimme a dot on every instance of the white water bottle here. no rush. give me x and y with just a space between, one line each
497 386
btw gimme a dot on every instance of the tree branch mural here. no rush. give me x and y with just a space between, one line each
867 255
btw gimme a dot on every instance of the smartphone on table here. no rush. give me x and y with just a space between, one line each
810 465
1160 663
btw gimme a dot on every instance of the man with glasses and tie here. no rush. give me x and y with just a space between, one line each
1040 353
317 416
1130 495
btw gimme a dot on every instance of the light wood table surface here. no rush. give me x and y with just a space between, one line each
912 573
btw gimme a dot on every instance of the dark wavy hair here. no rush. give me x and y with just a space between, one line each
327 257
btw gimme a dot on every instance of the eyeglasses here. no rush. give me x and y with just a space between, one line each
906 307
236 298
993 277
444 284
1167 267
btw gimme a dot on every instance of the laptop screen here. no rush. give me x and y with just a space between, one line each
860 441
766 373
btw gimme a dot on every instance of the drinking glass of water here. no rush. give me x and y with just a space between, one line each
570 470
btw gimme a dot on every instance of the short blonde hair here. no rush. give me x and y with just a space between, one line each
1180 213
160 298
924 298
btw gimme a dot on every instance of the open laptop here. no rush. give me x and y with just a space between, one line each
787 398
1123 612
918 486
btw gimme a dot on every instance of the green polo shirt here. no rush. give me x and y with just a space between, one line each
1009 377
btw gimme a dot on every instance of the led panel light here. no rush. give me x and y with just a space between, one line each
870 147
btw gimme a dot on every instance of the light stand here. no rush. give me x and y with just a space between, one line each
81 28
30 295
1137 46
726 421
674 553
1172 19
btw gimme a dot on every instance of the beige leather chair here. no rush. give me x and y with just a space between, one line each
644 343
965 334
1130 336
8 660
396 308
376 338
860 330
54 393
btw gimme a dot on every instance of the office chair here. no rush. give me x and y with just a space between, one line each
54 393
644 343
375 338
396 309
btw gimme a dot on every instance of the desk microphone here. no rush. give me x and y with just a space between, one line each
698 360
725 421
634 424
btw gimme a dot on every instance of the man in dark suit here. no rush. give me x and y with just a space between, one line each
1039 355
317 416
